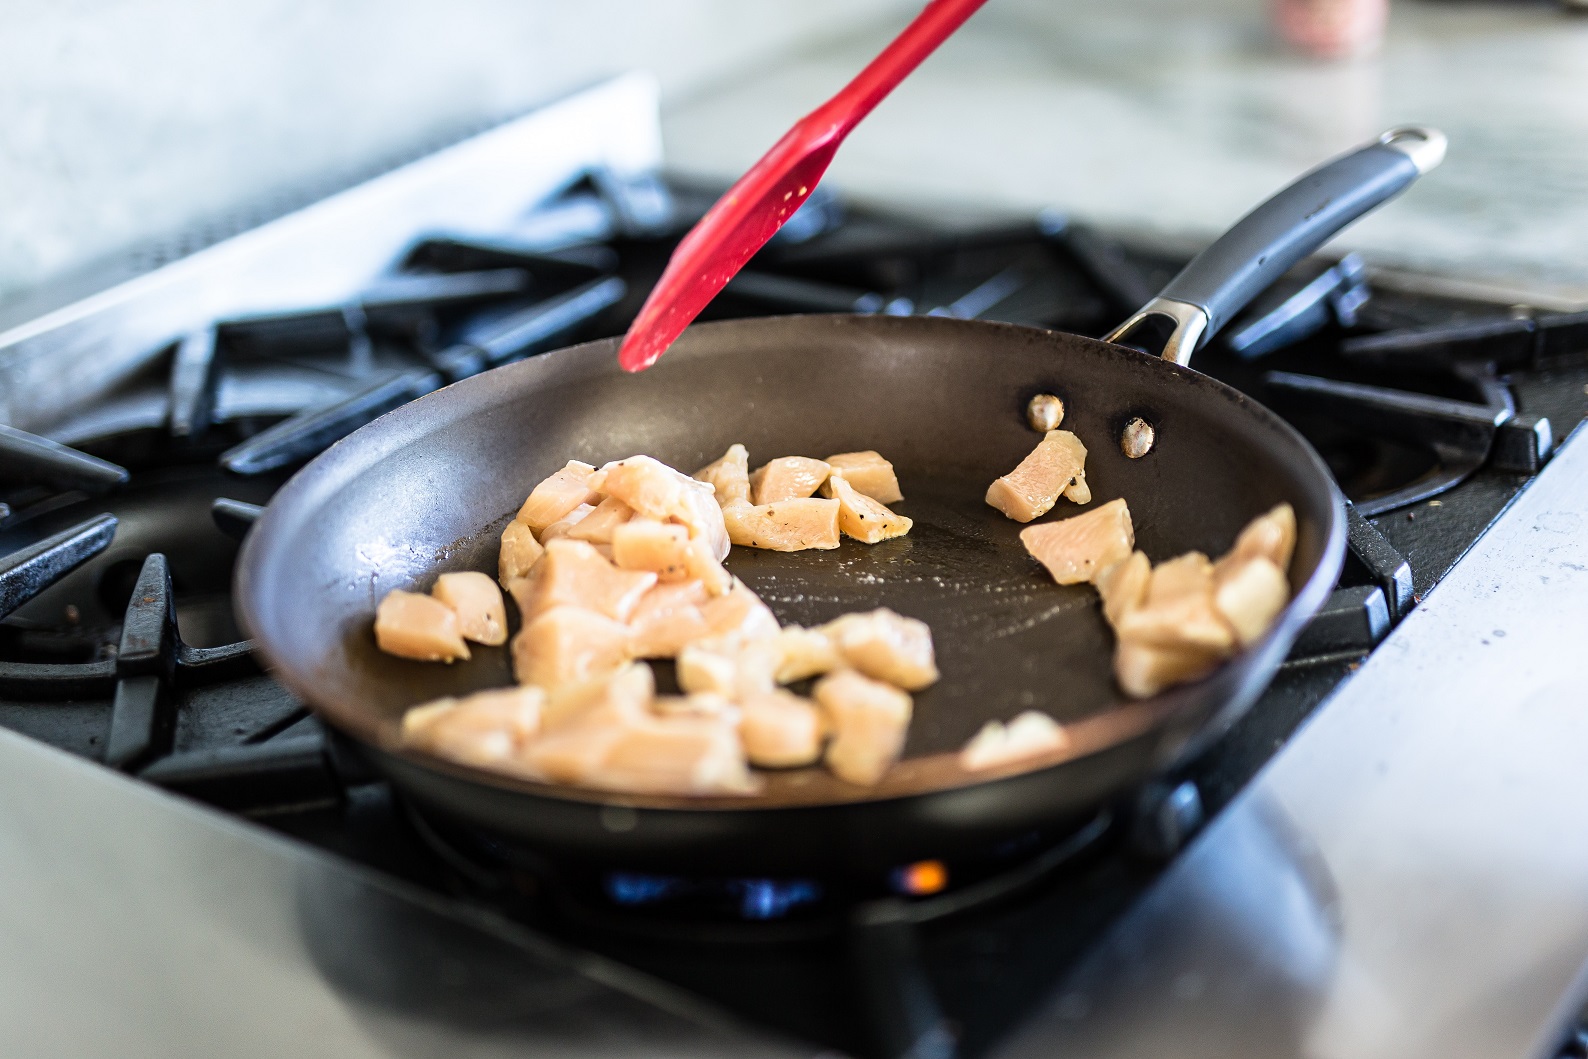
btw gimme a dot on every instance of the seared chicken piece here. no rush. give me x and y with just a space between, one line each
520 551
666 549
729 476
568 645
868 472
475 599
1078 548
1250 596
573 573
598 526
411 625
868 720
1178 609
804 653
1271 535
1029 735
1031 489
886 646
559 494
656 491
788 526
787 478
1123 586
565 525
1143 669
486 728
780 730
864 518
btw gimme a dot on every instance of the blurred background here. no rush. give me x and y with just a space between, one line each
130 121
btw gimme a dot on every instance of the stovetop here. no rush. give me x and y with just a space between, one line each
118 643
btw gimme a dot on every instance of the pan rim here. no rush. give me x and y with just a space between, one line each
352 456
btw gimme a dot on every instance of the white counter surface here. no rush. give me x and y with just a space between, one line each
1173 120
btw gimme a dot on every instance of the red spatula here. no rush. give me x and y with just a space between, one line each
755 208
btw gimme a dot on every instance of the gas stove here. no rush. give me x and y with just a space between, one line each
121 513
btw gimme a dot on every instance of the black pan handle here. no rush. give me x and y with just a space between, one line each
1265 243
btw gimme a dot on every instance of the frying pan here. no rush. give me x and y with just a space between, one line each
429 487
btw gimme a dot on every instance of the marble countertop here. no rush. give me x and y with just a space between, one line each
1152 116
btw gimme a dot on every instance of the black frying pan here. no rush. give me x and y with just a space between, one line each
429 487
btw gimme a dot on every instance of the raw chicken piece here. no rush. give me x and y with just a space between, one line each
1031 489
1272 535
789 526
411 625
573 573
780 730
787 478
568 645
486 728
734 670
1078 548
1123 586
868 472
475 599
616 696
804 653
1029 735
868 720
1178 609
667 550
1250 596
682 756
886 646
699 705
1144 669
729 476
598 526
739 616
667 618
1078 492
557 495
655 490
520 551
864 518
565 525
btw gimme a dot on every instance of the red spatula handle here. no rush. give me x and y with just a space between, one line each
759 203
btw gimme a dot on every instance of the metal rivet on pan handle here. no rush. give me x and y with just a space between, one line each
1137 438
1045 413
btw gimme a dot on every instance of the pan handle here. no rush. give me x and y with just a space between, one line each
1264 244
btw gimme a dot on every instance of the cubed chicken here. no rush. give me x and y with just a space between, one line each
475 599
1271 535
786 478
868 472
559 494
676 756
1123 586
618 696
804 653
733 669
656 491
1178 608
864 518
1031 489
668 618
1078 548
1029 735
569 645
700 705
486 728
1250 595
572 573
887 646
867 719
565 525
519 553
598 526
739 616
667 550
411 625
780 730
789 526
1144 669
728 476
